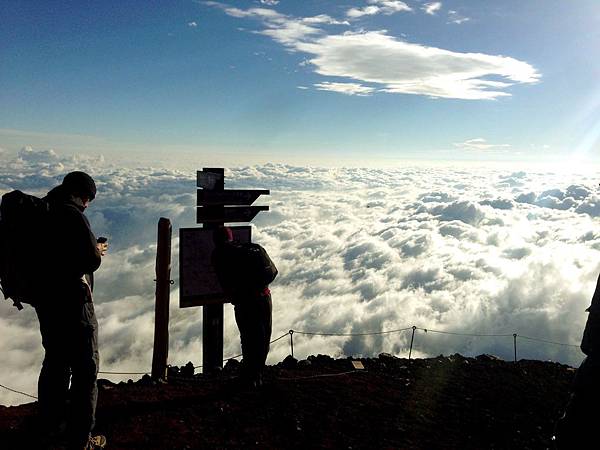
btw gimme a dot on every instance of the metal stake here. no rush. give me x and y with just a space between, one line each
411 341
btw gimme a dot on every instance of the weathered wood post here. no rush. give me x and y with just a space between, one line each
163 290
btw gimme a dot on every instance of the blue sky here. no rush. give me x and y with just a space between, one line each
315 80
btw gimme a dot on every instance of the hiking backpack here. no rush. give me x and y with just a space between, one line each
254 269
22 249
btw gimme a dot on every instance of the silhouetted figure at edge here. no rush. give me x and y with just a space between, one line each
247 289
576 429
68 323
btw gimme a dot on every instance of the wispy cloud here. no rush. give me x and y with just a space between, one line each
395 66
269 2
386 7
345 88
432 8
402 67
192 24
479 144
456 17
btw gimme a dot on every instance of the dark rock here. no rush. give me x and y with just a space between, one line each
289 362
105 384
146 380
320 359
172 371
304 363
324 358
387 356
232 365
487 357
187 370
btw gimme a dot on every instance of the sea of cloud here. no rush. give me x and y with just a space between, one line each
447 248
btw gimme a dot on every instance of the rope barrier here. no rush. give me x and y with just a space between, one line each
315 333
17 392
237 356
322 375
124 373
428 330
547 342
290 333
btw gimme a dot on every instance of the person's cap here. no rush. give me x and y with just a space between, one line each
80 183
222 234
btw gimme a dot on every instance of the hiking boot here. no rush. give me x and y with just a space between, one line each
96 442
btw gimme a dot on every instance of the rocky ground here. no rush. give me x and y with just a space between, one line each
440 403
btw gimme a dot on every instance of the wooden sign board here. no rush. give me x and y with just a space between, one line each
229 196
227 214
210 178
198 283
358 365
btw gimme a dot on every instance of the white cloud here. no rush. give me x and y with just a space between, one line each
28 154
345 88
387 7
192 24
396 66
359 250
457 18
402 67
324 19
269 2
432 8
479 144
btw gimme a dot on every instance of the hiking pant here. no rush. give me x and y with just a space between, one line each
253 316
576 428
70 339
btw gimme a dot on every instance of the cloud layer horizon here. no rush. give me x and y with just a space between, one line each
489 251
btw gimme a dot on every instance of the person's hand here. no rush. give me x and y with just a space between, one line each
102 247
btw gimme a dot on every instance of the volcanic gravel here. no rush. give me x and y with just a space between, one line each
439 403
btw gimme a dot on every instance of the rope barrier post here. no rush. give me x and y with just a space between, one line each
515 345
412 339
292 341
163 290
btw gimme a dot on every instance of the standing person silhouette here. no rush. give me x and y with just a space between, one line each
67 384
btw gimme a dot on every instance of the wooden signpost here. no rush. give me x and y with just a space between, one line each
198 284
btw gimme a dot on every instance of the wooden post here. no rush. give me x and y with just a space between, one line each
515 345
163 291
212 315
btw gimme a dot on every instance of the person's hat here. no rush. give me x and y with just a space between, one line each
80 183
222 234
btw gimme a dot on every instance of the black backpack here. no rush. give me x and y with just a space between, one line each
22 251
254 269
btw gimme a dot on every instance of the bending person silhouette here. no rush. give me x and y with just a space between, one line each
245 271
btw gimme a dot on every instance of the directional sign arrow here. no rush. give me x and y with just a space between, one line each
216 214
210 178
229 197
